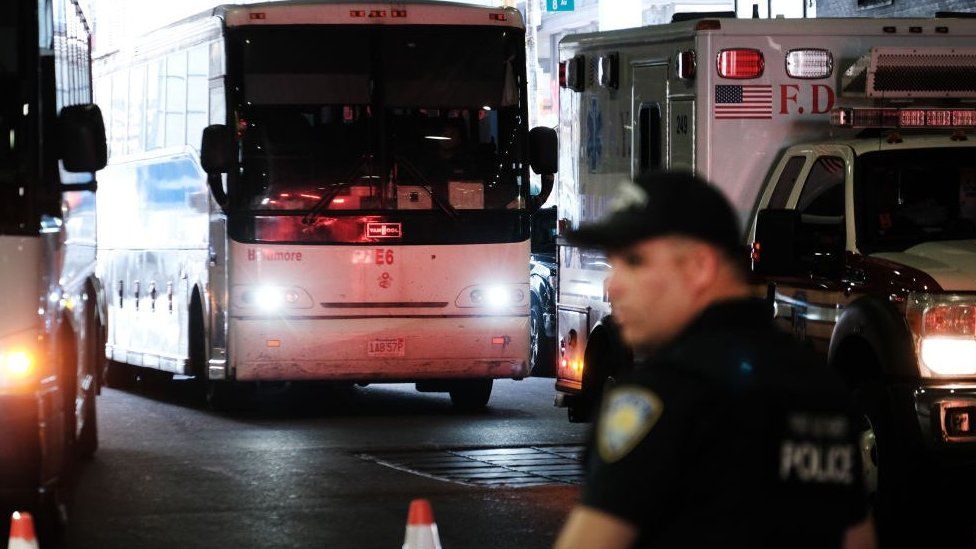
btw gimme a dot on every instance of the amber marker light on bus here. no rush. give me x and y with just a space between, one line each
740 63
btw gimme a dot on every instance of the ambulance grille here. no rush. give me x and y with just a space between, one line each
929 72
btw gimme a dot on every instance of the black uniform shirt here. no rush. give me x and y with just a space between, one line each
733 435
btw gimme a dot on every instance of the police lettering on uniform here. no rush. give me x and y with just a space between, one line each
728 433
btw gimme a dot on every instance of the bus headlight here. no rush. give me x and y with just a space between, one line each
944 326
269 299
496 296
17 368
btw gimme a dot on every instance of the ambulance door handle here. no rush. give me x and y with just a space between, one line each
169 295
137 285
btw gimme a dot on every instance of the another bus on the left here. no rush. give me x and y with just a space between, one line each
52 140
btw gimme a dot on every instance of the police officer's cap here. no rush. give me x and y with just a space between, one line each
664 204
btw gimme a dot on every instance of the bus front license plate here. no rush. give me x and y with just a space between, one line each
392 346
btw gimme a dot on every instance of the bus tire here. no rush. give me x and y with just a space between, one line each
119 375
471 395
87 442
226 396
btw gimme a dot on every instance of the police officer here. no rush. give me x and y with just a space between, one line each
728 433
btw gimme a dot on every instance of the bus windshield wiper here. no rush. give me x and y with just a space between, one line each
323 203
425 184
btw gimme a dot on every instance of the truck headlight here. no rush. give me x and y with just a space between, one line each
944 326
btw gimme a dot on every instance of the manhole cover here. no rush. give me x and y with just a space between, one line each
517 466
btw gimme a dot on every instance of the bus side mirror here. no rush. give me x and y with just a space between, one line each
775 249
216 157
81 138
544 159
543 150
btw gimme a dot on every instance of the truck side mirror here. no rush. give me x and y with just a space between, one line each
775 249
81 138
544 160
216 157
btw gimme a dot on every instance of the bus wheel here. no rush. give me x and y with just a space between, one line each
119 375
52 516
226 396
471 395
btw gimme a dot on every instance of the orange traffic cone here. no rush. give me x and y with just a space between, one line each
22 532
421 528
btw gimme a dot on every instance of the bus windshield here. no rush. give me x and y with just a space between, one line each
910 197
11 119
383 118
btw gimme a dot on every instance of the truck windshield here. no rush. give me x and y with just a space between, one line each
909 197
394 118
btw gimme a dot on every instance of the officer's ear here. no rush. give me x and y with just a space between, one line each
700 263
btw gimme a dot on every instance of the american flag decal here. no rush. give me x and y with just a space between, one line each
735 102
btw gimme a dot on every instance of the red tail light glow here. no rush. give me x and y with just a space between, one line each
950 320
740 63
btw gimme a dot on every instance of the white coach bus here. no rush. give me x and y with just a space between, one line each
366 214
50 322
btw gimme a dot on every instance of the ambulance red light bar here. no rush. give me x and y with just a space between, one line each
910 118
357 13
740 63
497 17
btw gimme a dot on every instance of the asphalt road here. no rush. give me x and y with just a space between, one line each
324 468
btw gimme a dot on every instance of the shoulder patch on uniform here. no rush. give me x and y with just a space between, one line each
628 414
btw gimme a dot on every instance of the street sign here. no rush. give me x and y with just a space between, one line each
560 5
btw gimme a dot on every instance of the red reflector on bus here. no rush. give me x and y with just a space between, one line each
377 13
497 17
357 13
398 13
740 63
257 15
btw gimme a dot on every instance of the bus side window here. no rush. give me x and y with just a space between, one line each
649 138
786 182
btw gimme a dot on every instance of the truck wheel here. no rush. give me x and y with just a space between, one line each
471 395
604 359
543 349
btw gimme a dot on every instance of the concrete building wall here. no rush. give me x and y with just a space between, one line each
891 8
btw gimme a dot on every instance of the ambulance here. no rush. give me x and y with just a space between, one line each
846 148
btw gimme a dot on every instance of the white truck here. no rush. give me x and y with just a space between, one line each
846 146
